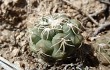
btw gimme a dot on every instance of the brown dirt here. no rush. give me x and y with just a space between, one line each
16 16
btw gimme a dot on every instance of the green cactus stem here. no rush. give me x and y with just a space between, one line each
60 42
55 37
44 46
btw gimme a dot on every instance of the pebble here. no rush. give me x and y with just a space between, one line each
15 52
65 6
15 1
6 33
22 43
19 64
4 25
89 24
12 39
20 35
0 41
1 27
2 38
105 59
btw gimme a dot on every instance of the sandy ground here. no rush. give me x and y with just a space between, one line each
16 16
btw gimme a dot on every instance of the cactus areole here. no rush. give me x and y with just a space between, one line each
55 37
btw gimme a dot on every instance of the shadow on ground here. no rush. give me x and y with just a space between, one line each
84 55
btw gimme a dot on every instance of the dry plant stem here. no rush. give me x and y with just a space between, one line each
40 5
69 65
91 19
105 57
99 52
95 14
5 63
55 2
94 21
49 8
105 1
101 27
55 8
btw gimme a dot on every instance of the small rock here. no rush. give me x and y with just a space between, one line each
1 27
65 6
105 59
85 2
6 2
70 10
102 67
15 52
20 35
23 43
19 64
15 1
6 33
103 46
4 25
89 24
85 34
34 3
76 3
2 38
0 41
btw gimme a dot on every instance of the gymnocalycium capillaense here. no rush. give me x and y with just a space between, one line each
55 37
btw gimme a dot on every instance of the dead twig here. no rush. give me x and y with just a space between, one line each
94 21
95 14
55 6
105 1
101 27
86 14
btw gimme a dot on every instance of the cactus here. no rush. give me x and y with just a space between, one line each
55 37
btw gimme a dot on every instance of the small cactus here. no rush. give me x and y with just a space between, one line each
55 36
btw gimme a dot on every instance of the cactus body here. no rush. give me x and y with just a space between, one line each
58 47
76 40
48 35
55 36
44 46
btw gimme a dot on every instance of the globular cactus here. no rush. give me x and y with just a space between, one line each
55 37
